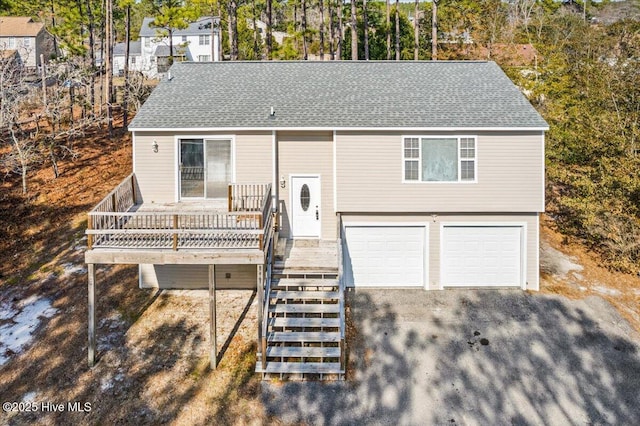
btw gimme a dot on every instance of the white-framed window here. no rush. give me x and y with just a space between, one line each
204 40
439 159
204 58
147 41
184 39
26 42
12 42
133 60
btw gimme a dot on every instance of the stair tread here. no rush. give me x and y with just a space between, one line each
304 282
312 308
303 322
294 352
303 336
280 294
302 367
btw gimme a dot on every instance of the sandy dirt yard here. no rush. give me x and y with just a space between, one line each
153 348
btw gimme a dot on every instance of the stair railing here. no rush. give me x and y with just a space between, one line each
342 312
265 301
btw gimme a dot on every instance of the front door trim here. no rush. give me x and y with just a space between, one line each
292 177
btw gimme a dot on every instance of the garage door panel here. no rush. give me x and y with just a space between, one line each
475 256
385 256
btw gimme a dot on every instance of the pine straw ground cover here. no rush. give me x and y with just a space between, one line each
153 348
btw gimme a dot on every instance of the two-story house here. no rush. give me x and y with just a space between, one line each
26 37
194 43
421 174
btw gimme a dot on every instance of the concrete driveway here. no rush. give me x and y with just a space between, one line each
475 357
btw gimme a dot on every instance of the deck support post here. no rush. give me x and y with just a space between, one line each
261 313
213 357
91 272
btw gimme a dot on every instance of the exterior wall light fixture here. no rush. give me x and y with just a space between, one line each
154 146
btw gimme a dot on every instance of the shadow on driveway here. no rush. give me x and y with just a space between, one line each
475 357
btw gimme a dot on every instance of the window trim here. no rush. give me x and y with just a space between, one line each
458 137
204 40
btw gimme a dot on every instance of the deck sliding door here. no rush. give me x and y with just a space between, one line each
205 168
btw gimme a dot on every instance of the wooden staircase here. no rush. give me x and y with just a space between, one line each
304 326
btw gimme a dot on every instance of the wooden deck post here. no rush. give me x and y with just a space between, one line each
230 197
133 189
89 236
175 234
213 357
91 273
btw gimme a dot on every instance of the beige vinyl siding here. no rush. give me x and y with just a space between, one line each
197 276
156 172
510 175
254 158
307 153
434 223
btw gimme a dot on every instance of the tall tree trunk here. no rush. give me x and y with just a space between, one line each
388 30
365 23
434 30
53 25
269 30
332 32
233 18
340 30
305 53
108 72
416 32
256 48
170 47
125 94
321 6
92 58
397 31
354 32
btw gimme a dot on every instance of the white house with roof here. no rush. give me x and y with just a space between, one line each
194 43
409 174
26 37
136 62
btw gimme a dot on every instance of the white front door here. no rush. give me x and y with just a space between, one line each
305 206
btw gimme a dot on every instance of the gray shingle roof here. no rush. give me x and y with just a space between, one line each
134 48
337 95
194 28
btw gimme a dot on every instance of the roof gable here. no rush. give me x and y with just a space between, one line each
19 26
338 95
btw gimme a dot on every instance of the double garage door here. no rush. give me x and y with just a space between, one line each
398 255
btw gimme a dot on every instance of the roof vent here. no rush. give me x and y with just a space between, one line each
272 114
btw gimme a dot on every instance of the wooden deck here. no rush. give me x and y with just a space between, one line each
243 222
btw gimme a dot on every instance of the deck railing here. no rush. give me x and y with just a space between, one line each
247 197
111 224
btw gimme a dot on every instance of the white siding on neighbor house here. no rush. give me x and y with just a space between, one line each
510 175
307 153
532 272
157 171
197 276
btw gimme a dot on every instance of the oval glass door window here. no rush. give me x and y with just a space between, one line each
305 198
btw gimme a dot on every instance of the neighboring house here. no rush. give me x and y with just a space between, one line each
27 37
427 174
278 36
136 64
193 43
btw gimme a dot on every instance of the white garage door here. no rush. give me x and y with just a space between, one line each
384 256
477 256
